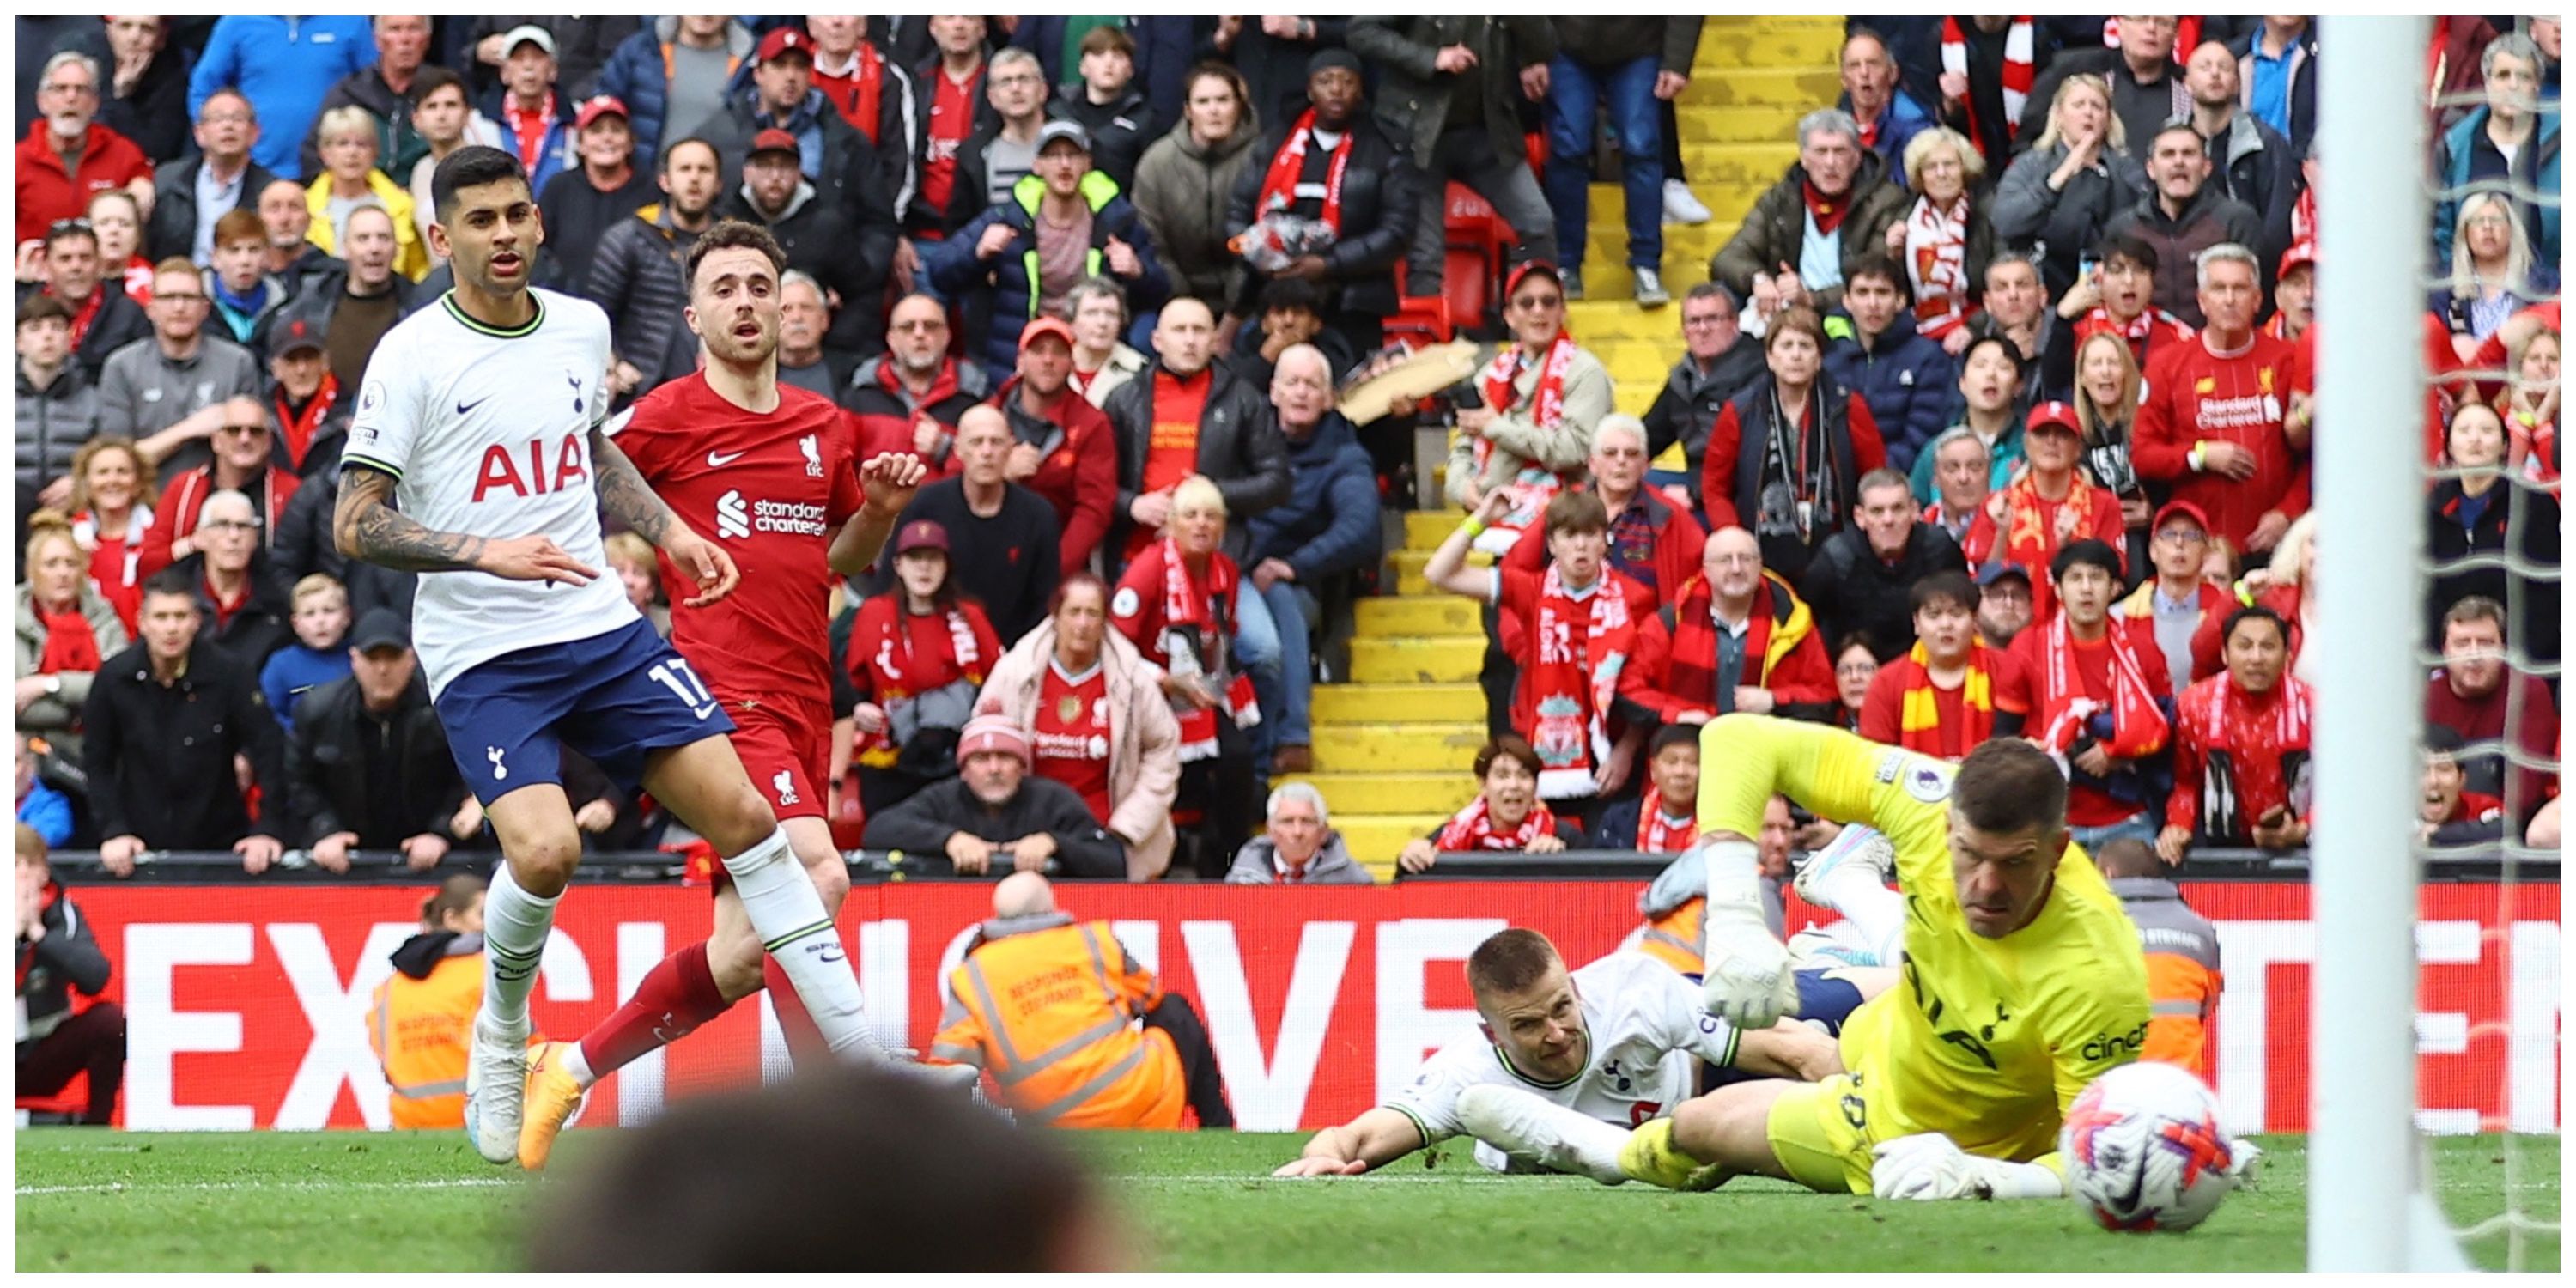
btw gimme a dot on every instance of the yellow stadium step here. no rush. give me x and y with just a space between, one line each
1377 839
1414 748
1408 563
1687 249
1801 88
1447 659
1350 797
1724 49
1400 616
1729 195
1607 317
1743 123
1431 703
1424 530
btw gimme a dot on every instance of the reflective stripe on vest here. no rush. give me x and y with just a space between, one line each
1079 1096
2180 1006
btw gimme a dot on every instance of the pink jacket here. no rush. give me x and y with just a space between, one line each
1144 738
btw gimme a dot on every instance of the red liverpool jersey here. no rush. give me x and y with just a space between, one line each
2196 396
772 490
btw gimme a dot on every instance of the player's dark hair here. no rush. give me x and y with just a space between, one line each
171 581
2008 785
2089 552
1510 746
838 1168
455 894
734 234
471 166
1673 735
1509 961
2127 857
2253 613
1945 588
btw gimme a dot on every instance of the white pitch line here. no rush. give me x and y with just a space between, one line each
119 1187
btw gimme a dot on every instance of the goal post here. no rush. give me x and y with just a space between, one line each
2368 1205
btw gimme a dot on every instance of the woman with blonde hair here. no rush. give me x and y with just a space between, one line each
1946 238
639 570
111 514
2108 389
66 631
350 179
1178 604
2076 176
2493 274
2530 406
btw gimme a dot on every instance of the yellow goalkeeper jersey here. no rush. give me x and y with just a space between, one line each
1985 1040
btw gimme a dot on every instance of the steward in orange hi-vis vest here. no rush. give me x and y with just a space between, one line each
418 1021
2183 979
1073 1031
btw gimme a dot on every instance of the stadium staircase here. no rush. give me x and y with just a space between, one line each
1393 744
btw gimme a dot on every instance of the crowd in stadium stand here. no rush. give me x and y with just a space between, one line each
1994 418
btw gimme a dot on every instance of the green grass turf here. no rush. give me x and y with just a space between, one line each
410 1201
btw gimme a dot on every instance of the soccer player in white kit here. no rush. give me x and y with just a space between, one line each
1594 1051
482 413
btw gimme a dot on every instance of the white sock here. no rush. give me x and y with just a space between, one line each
788 915
1734 883
579 1068
1518 1122
1875 911
514 937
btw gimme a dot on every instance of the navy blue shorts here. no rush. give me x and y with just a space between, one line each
612 697
1822 1001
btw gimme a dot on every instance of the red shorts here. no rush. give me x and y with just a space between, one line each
787 750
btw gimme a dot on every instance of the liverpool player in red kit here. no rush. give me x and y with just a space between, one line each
767 470
2215 422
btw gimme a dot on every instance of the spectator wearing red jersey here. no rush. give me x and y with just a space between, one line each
1652 543
1061 447
243 463
67 155
1785 458
2451 814
1952 690
910 398
2097 696
2212 425
1736 638
2241 747
2294 296
2286 586
1580 622
1097 720
1179 603
2048 508
912 661
2475 692
874 95
2177 601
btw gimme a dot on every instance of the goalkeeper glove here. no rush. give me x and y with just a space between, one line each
1931 1166
1748 977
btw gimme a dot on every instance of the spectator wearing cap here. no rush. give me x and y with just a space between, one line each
1002 537
2049 506
1860 579
367 767
2003 610
911 397
164 723
837 159
68 156
2241 746
1785 456
238 590
1335 165
1621 65
1304 551
636 274
674 74
911 662
2294 296
319 653
2251 162
1189 416
1062 224
2479 692
1734 638
579 206
165 391
216 178
2074 179
1953 689
2177 601
349 180
848 247
388 90
1452 87
1107 98
1097 720
57 957
536 123
1002 147
240 286
1833 206
2099 695
1542 396
1062 447
2184 214
285 66
2450 814
2214 426
57 404
303 395
1186 177
1297 845
583 47
1874 350
996 818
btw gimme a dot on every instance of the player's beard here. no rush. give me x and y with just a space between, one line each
724 346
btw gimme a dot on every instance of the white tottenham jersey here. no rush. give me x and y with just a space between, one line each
1644 1026
489 433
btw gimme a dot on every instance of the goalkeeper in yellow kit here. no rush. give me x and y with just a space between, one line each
2023 979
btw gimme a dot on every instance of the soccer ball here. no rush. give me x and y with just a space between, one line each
2144 1151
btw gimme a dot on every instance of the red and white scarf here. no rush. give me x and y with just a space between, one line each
1185 603
1472 828
1582 645
889 649
2137 728
1657 834
1533 487
1936 257
2020 70
1279 184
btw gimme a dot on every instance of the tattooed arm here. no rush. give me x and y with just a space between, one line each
627 498
365 527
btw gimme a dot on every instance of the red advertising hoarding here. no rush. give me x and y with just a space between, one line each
247 1006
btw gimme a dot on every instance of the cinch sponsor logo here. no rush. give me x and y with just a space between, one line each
2111 1046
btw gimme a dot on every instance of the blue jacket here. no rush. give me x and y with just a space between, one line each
292 672
637 74
284 66
2457 144
1905 118
1907 380
561 150
1000 295
1329 524
48 811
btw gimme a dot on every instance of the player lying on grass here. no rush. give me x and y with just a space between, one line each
1618 1041
769 469
2023 980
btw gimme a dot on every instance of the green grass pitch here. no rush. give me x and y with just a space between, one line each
91 1200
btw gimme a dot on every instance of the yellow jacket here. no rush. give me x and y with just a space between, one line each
411 256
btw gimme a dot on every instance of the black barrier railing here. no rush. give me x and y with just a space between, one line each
222 867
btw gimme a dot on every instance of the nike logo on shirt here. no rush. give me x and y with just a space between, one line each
464 407
719 460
